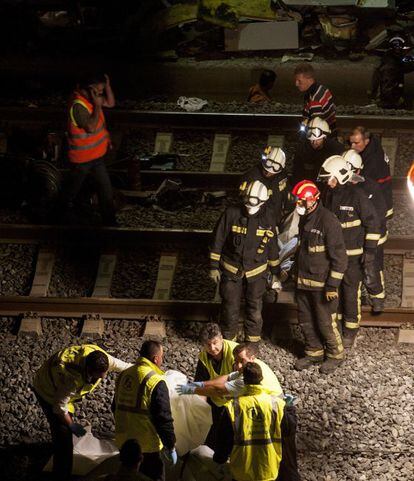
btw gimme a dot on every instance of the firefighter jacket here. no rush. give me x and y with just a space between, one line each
245 245
308 161
252 430
85 146
377 167
226 366
321 259
135 416
359 221
277 187
66 372
373 191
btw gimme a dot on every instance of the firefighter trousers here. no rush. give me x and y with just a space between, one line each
374 276
231 291
318 319
350 297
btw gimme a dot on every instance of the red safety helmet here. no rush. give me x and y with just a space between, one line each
306 190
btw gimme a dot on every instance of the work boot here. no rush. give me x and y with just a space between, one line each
349 337
377 306
307 362
330 365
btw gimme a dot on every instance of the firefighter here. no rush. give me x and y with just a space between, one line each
65 378
374 279
361 231
321 261
376 162
143 411
314 150
243 250
272 173
251 431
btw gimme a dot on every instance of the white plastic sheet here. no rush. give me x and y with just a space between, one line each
201 467
191 414
191 104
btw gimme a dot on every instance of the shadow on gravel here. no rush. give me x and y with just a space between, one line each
24 462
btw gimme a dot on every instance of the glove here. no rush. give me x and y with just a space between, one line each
276 285
331 294
77 429
215 275
169 455
290 400
283 276
188 388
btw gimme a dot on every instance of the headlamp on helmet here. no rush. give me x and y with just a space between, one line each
335 167
273 159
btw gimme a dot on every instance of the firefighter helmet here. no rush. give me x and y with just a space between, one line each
353 159
335 166
256 194
273 159
306 190
317 129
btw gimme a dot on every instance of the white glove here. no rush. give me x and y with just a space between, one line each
215 275
276 284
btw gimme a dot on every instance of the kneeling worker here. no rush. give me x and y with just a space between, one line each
65 378
143 411
243 250
250 431
321 261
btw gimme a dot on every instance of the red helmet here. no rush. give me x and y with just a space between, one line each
306 190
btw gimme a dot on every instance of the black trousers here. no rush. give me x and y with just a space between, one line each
152 466
231 292
77 175
374 275
61 441
288 469
350 297
318 319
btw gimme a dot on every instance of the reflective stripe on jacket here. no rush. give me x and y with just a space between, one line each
245 246
66 367
85 146
321 258
257 450
225 368
132 405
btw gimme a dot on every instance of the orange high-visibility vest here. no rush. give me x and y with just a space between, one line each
82 145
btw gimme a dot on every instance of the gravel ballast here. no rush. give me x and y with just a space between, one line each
354 425
17 263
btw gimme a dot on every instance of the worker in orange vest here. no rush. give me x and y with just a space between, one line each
88 142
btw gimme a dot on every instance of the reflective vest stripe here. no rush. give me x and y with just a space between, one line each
318 248
355 252
348 225
89 146
87 135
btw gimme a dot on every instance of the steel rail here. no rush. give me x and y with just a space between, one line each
28 233
203 120
174 310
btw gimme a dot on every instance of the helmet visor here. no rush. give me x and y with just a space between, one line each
271 165
315 133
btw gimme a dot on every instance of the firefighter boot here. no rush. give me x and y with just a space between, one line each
349 336
330 365
377 305
307 362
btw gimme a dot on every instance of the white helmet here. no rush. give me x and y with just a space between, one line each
317 129
335 166
255 196
273 159
353 159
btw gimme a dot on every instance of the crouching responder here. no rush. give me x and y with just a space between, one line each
260 92
272 173
65 378
251 431
311 152
143 411
361 233
244 247
321 261
373 278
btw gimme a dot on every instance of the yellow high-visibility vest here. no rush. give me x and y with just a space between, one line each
132 405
